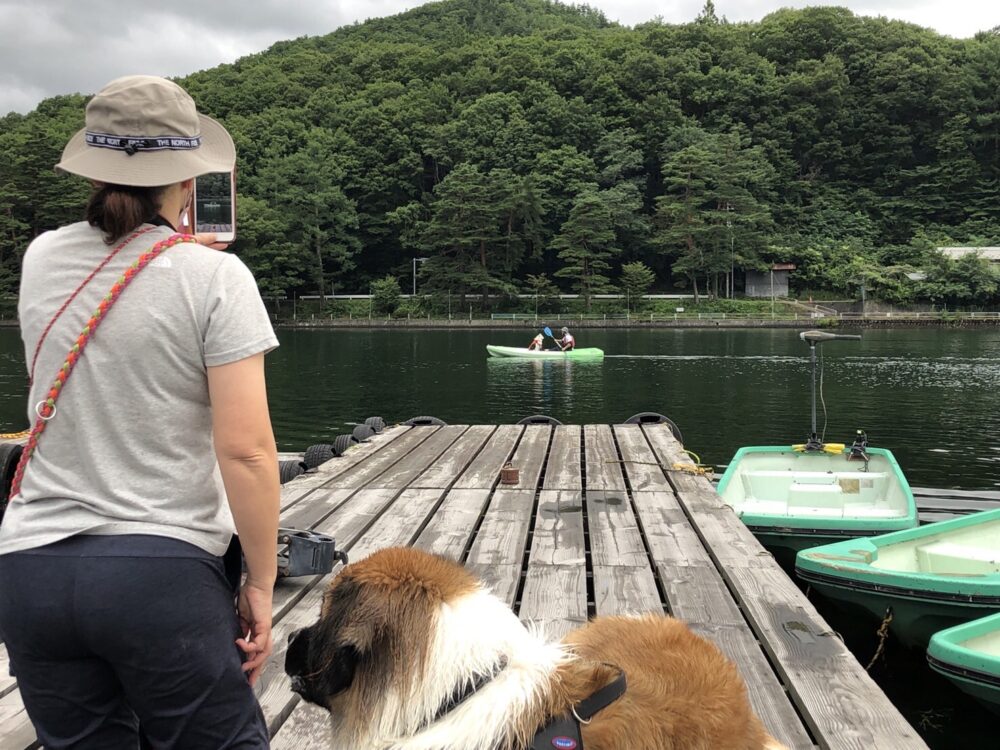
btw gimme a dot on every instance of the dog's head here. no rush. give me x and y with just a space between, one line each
375 628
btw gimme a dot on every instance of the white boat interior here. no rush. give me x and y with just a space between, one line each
968 551
824 485
988 643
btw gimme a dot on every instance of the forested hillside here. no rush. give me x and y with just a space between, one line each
521 144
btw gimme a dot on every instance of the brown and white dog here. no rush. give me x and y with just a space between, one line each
411 652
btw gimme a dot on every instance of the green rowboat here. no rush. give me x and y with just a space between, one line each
969 656
793 500
793 497
932 577
515 351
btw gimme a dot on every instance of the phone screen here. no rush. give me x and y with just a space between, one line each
214 205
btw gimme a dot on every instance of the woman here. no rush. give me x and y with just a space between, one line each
114 605
567 343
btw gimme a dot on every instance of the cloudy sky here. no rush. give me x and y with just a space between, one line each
50 47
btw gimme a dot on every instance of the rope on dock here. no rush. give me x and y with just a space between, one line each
689 468
883 636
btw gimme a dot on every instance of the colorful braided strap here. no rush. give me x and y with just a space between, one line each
45 410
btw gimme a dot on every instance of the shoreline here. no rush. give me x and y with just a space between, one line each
430 324
713 323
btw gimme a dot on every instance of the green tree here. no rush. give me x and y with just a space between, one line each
306 188
636 280
714 211
545 293
385 295
585 244
464 236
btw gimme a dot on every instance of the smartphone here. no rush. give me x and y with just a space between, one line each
214 205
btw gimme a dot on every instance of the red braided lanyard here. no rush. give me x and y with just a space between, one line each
46 409
61 310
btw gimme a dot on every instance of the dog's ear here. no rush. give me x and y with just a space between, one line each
338 640
339 675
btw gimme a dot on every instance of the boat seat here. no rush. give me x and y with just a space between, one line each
951 558
815 499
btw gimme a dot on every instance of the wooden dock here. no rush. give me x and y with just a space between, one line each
605 519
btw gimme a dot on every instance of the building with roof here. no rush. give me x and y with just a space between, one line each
992 254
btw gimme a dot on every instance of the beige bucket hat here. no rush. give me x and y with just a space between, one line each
146 131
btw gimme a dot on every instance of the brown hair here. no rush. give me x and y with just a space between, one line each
118 209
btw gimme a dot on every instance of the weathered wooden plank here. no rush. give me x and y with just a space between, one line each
362 473
503 533
401 526
303 485
555 597
698 595
307 728
615 538
322 502
604 468
671 538
640 463
558 535
407 468
529 458
447 468
449 530
563 469
555 585
623 579
624 590
7 683
482 473
503 580
16 729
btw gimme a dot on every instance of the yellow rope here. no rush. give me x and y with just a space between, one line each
693 468
15 435
703 471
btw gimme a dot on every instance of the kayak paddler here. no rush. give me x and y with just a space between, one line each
567 342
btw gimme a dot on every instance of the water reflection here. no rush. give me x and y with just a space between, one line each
550 387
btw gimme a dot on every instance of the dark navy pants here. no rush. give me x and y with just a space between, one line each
107 634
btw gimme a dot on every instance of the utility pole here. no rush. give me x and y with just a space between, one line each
772 290
732 255
415 261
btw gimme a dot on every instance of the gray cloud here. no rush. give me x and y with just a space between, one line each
50 47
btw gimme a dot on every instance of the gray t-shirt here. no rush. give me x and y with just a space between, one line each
129 450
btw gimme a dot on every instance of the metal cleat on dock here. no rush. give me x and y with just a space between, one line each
306 553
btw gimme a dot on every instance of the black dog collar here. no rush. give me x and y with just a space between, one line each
563 732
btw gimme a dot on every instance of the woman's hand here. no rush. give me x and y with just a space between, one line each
254 606
208 240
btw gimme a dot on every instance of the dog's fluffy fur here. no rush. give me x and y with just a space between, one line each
402 632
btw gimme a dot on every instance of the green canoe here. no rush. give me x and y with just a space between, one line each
932 577
793 500
969 656
515 351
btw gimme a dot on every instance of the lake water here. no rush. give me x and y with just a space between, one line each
930 395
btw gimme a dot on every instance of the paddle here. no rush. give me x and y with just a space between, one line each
548 332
